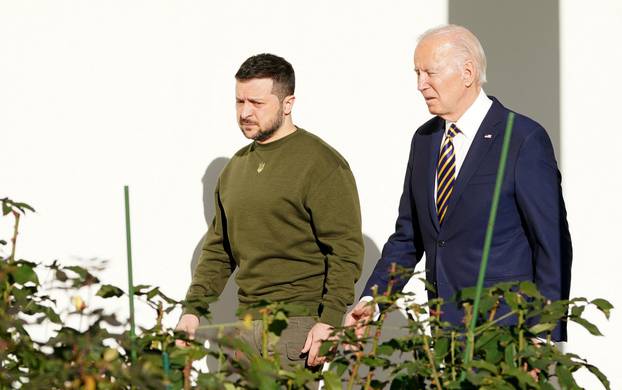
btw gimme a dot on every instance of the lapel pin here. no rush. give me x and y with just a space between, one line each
261 167
488 136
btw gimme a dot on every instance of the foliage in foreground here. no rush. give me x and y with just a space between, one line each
430 354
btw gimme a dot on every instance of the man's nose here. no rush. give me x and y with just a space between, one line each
422 82
247 110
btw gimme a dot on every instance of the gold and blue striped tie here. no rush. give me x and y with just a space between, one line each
446 173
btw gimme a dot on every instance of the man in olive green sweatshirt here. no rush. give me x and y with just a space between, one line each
287 214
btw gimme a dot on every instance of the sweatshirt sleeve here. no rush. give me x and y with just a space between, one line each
214 267
336 218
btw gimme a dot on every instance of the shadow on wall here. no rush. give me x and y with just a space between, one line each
224 309
395 324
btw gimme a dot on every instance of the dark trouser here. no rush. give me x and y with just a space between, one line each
289 345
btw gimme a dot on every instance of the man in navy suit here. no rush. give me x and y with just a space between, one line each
448 188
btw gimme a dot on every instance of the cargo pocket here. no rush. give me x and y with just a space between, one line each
296 335
293 351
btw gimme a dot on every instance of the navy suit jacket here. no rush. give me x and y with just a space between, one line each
531 240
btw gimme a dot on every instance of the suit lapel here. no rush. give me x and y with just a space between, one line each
433 148
484 138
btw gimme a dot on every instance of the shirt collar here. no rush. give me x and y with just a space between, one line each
473 117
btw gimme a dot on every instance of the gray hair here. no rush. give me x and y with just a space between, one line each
465 47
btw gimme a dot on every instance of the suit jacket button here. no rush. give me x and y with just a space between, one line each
442 243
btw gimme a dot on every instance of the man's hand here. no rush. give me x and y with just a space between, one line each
187 323
359 317
316 335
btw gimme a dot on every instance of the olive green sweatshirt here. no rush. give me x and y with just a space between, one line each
288 215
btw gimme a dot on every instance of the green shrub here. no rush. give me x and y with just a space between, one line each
430 355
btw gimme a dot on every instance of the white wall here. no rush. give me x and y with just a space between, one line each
591 138
95 95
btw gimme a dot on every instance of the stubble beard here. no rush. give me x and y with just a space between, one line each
265 134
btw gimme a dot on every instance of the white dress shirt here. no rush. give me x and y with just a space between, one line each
468 124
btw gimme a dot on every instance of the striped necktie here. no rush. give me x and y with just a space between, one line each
446 173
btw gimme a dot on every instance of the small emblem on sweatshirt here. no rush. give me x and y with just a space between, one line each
261 166
488 136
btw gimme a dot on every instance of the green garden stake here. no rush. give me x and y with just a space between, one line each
166 364
130 279
488 240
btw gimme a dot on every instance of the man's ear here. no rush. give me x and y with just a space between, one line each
468 73
288 104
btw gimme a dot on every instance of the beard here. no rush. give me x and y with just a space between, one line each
271 128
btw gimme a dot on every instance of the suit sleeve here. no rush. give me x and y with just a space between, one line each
336 215
539 197
404 246
214 267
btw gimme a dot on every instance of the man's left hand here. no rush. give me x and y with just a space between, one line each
316 335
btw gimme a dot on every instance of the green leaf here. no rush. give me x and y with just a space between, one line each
593 329
489 342
481 364
153 293
486 304
546 386
505 286
603 305
51 315
529 288
81 271
385 349
108 291
138 290
476 377
403 381
326 347
277 326
601 377
577 311
441 348
23 207
467 294
485 338
331 381
539 328
510 355
565 378
428 286
374 361
211 381
523 377
512 300
85 278
5 206
61 275
554 311
339 366
25 273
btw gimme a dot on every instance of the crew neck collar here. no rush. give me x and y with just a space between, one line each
276 144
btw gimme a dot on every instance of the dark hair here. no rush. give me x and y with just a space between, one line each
269 66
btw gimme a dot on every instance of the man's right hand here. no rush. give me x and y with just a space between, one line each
187 323
360 316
